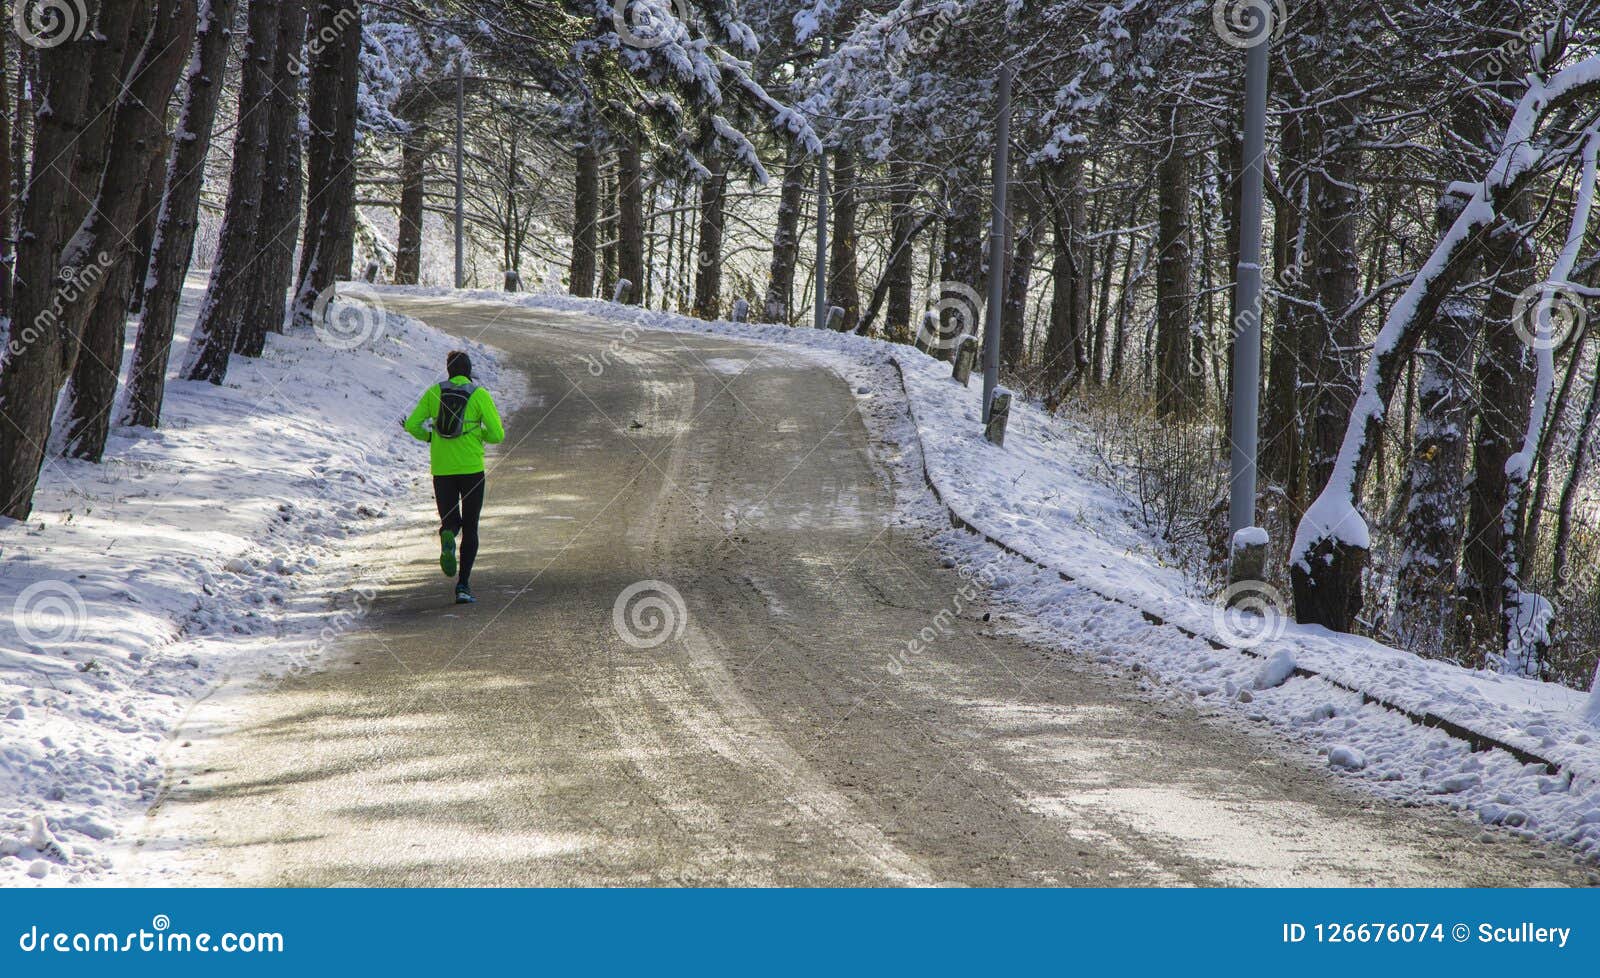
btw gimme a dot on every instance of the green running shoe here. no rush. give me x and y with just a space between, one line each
447 553
464 595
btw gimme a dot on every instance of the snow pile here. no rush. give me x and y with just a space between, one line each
1348 758
1277 670
1041 497
217 545
1250 536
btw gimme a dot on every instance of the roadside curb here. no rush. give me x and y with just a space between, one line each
1478 741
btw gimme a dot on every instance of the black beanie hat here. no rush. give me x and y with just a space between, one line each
458 364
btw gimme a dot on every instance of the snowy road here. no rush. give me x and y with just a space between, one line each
522 742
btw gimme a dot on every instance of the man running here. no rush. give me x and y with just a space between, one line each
457 418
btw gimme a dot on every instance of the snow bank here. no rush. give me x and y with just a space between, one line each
227 542
1041 497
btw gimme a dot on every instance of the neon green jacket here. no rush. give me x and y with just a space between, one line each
463 455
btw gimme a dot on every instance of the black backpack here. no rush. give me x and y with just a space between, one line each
452 419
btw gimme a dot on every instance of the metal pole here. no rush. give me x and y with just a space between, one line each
820 317
997 243
461 252
1247 339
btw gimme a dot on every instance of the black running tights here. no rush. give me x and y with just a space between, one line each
460 499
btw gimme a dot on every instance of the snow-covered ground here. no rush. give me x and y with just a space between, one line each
1041 497
232 541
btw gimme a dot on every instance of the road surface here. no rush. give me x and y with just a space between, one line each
523 742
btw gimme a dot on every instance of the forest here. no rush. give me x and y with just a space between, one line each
1430 391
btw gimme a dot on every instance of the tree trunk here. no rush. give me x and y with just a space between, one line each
1177 381
1066 355
1130 278
143 238
222 315
1230 158
1552 427
669 270
843 286
1505 390
44 345
607 230
329 236
686 246
779 305
585 222
902 260
1335 364
7 212
630 217
1434 521
899 252
92 384
266 296
1582 457
92 388
961 264
651 225
113 68
512 220
1282 421
175 226
21 132
708 258
413 200
1025 223
1102 317
339 216
144 233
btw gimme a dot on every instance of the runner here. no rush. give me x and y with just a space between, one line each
457 418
